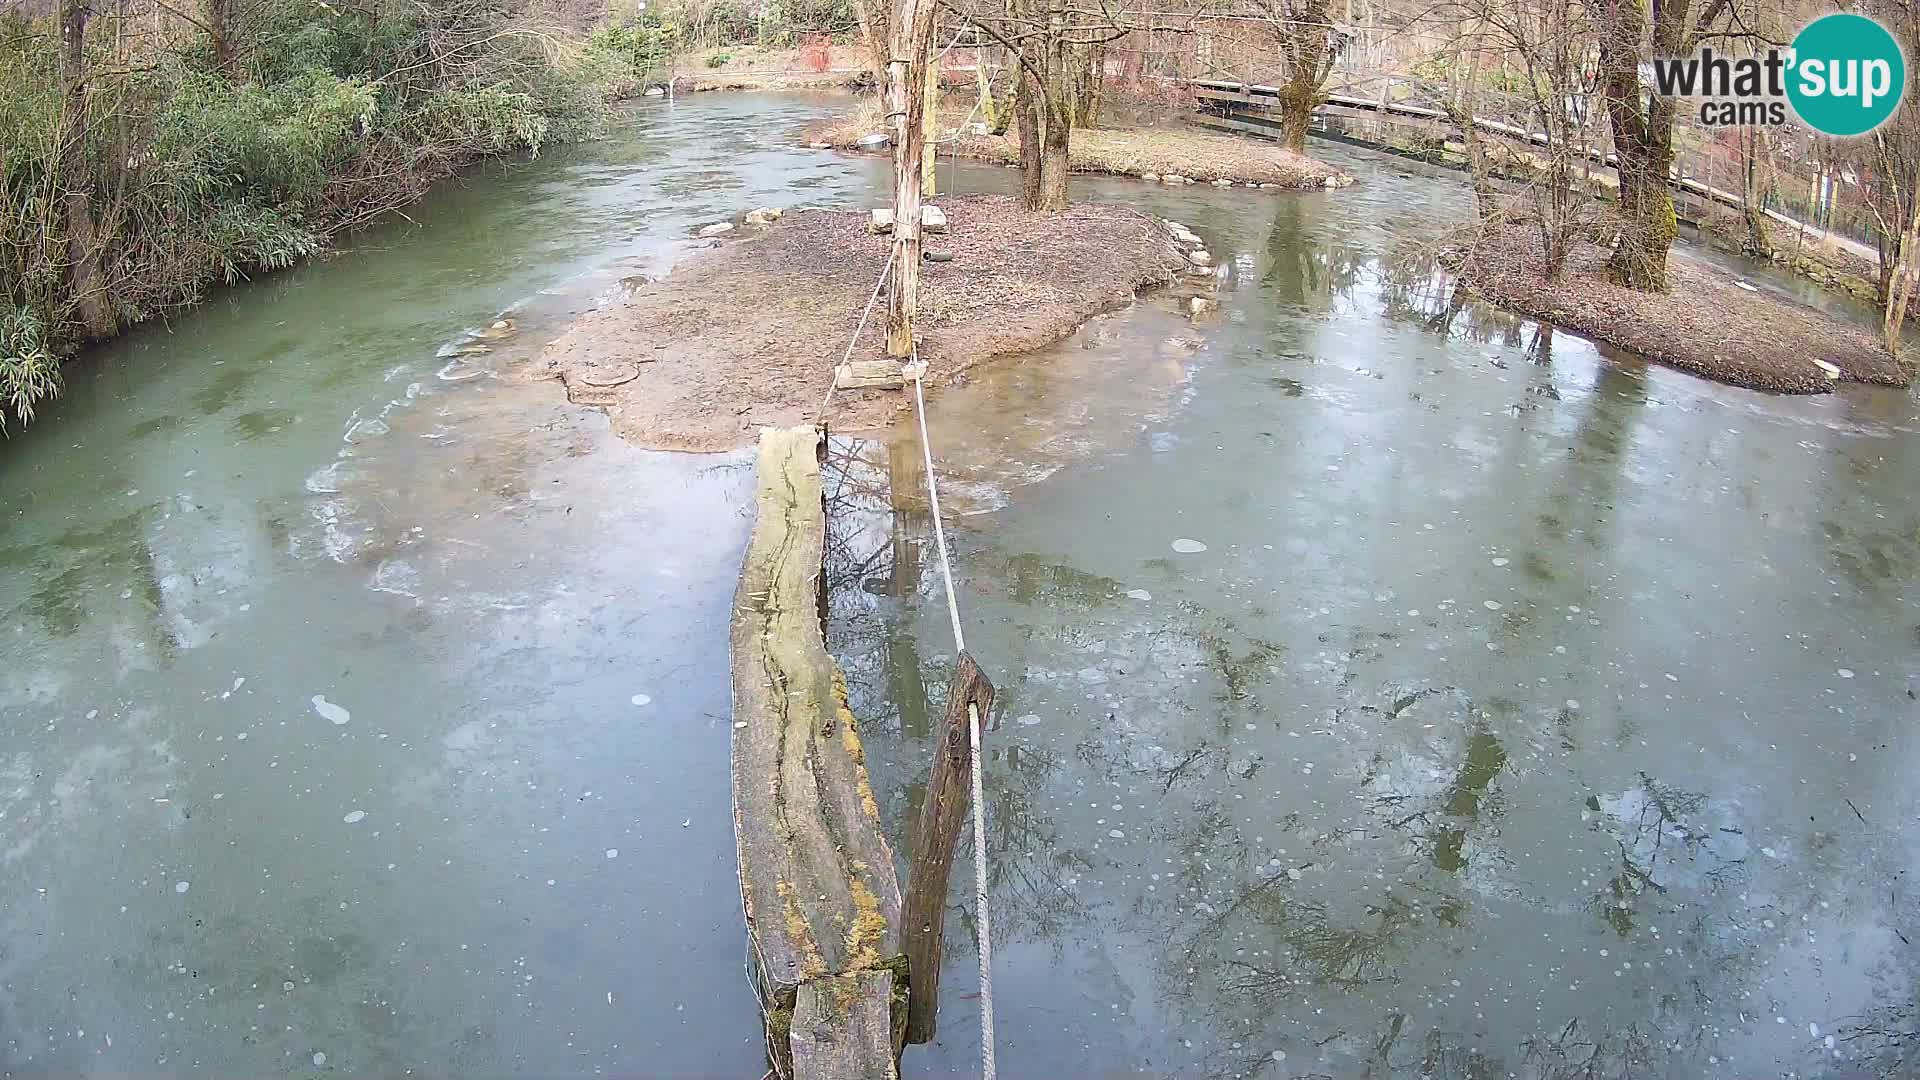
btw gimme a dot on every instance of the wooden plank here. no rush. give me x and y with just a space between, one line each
869 375
842 1028
943 813
816 874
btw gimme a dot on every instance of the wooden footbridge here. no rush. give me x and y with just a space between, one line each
1246 109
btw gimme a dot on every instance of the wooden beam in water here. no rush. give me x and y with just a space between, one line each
816 875
943 813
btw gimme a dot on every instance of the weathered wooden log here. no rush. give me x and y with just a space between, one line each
816 874
943 813
843 1028
869 375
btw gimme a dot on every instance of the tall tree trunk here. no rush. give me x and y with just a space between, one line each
1306 45
85 279
1898 289
1642 141
905 107
989 112
1296 117
1054 159
220 29
1462 109
1754 182
1646 203
1058 101
1085 69
1096 81
1029 114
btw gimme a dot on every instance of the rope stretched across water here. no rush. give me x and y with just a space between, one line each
973 734
833 382
984 939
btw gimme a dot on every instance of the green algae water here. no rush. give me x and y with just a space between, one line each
365 709
1390 687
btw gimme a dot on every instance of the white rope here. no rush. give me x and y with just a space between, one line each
933 499
987 1068
833 382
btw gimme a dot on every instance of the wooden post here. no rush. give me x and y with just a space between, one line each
943 814
905 105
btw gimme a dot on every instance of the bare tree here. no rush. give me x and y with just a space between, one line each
1547 41
1058 53
88 282
1889 165
1631 32
220 32
1462 107
1756 183
1308 44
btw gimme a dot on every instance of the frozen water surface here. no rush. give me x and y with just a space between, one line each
1346 795
1566 728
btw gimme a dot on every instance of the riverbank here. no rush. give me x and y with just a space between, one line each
1171 155
253 151
1825 261
746 334
752 68
1707 323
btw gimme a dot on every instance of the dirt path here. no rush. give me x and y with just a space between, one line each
746 334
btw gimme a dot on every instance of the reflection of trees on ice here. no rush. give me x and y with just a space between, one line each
1668 839
1320 915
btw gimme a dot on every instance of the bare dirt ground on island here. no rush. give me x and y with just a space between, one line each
1704 323
747 334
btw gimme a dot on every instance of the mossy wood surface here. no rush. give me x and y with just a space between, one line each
842 1028
816 875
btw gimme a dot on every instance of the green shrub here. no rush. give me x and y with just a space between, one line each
719 60
29 371
638 51
798 19
330 115
279 142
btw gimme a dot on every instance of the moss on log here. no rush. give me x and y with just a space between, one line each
816 875
843 1028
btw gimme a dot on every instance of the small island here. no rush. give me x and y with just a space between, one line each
746 333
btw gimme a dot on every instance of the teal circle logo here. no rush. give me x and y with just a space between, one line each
1848 75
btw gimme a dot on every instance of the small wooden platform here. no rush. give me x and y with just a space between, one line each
816 875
